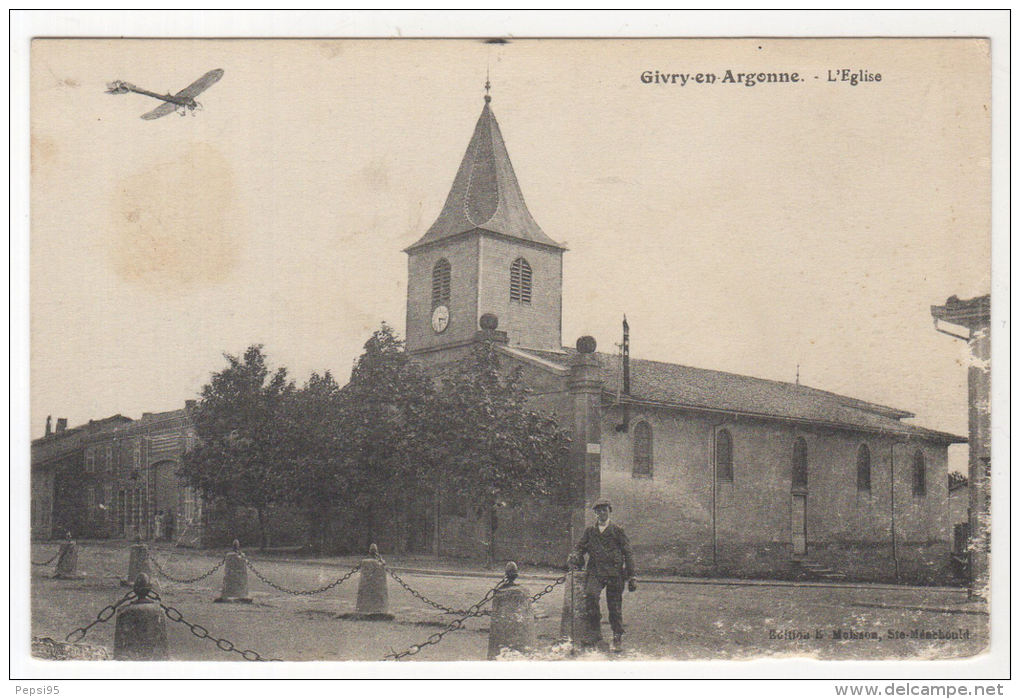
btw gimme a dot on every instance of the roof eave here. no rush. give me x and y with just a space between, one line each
915 432
425 244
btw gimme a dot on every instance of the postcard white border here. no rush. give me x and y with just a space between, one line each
25 25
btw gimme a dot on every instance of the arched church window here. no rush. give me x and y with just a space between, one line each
800 465
642 450
864 468
724 456
920 484
520 281
441 283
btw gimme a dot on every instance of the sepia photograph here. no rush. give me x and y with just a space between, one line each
508 350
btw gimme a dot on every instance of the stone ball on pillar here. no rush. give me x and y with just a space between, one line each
488 321
586 344
511 572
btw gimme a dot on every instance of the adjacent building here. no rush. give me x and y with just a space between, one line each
58 476
975 315
116 478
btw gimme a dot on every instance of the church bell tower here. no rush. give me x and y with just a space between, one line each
484 254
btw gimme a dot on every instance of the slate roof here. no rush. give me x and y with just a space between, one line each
485 195
676 385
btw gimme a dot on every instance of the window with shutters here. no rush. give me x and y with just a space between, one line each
864 468
800 465
90 460
642 450
920 483
724 456
441 283
520 281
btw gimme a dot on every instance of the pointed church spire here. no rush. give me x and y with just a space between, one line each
485 194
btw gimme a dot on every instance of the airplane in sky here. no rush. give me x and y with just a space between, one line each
182 102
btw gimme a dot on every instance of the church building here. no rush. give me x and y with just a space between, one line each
710 473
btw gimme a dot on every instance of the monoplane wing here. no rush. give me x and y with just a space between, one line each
161 111
201 84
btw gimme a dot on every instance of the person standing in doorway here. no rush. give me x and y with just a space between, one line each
610 564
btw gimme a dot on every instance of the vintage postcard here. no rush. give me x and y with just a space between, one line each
412 351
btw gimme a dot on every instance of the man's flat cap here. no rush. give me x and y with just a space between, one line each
600 502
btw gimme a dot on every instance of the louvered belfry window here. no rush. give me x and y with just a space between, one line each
520 281
441 283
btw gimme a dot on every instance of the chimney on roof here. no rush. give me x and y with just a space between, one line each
61 424
146 416
49 425
190 405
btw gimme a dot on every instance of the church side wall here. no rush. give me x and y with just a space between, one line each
669 517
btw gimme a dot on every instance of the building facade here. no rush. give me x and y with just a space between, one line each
116 478
132 489
709 472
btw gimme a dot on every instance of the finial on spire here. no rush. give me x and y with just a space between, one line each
488 98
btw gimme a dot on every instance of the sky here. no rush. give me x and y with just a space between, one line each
744 229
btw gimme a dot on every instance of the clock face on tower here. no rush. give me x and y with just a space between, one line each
440 318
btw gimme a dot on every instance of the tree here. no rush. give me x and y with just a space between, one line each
319 472
242 454
383 436
496 449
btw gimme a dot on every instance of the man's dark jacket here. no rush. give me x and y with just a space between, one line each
608 552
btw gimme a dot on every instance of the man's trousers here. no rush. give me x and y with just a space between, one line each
614 600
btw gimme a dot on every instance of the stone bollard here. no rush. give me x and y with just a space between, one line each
141 628
574 623
138 564
67 562
513 619
373 596
235 577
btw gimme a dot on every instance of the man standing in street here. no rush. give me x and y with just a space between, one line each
610 563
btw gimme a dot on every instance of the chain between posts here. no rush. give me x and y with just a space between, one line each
105 614
458 623
200 631
203 576
414 593
53 558
342 579
549 588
